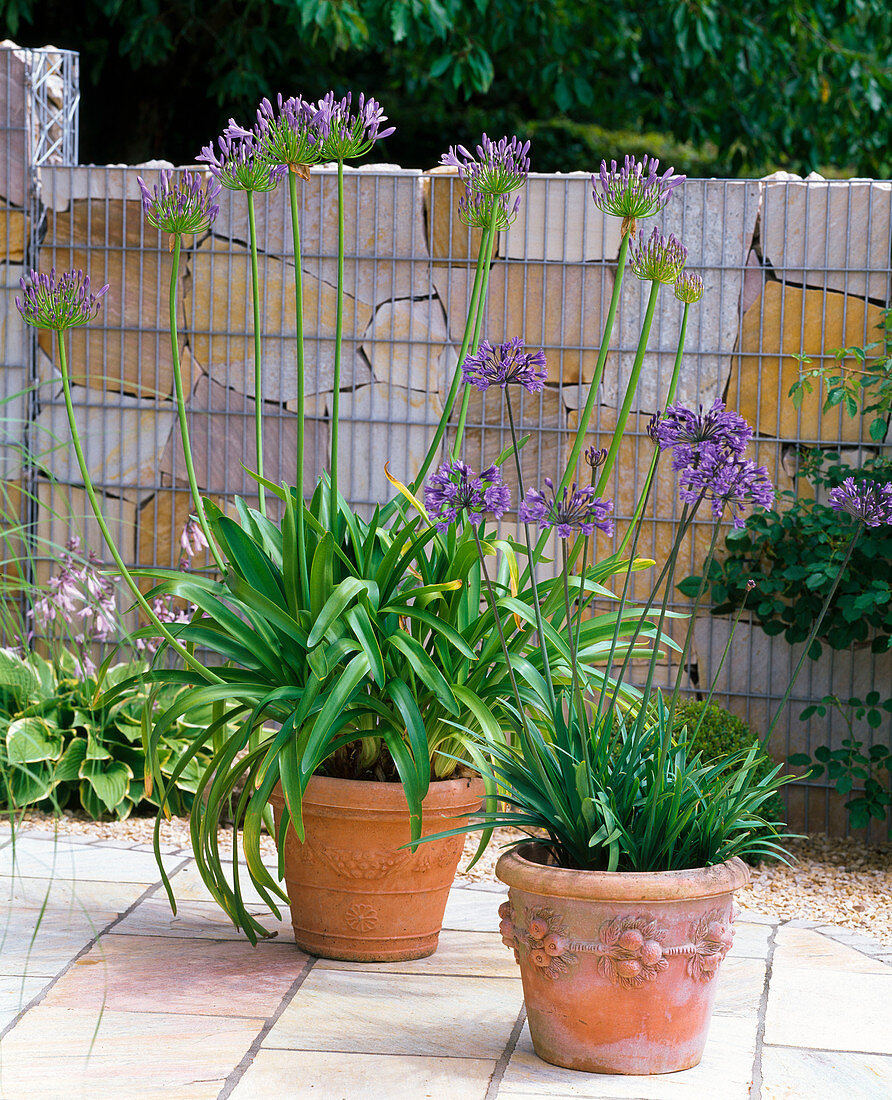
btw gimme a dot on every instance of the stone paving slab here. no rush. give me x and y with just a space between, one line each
116 998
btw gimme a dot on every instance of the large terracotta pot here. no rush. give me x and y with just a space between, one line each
354 894
619 970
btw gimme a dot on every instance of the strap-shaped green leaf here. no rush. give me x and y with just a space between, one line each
425 669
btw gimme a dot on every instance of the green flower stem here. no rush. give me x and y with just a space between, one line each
336 385
575 689
451 397
632 386
501 633
670 397
546 668
181 408
143 604
258 376
475 343
689 633
299 337
812 635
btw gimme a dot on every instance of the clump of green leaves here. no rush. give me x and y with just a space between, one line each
717 733
793 555
852 767
60 749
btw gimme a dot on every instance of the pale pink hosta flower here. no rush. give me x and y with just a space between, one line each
193 540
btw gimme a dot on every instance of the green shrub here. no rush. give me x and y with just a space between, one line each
721 733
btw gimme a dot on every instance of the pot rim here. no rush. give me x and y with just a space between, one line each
515 870
324 791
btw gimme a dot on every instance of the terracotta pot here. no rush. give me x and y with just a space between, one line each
354 894
619 970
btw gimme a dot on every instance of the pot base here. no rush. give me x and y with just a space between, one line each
356 894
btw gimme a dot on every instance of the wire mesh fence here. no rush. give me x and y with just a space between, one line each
791 267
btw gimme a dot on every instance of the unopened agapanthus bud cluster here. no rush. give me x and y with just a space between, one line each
637 190
504 365
455 492
575 510
241 164
58 303
867 501
657 258
184 204
495 168
347 132
595 456
689 287
477 210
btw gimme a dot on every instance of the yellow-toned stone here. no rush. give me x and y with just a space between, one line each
787 322
551 306
13 225
218 303
127 348
449 239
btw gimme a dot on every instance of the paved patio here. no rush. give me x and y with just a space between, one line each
113 997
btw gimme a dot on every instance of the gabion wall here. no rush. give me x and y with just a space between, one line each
791 267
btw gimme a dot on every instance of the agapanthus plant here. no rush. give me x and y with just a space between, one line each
287 134
494 168
574 510
241 163
59 303
347 132
456 492
479 211
867 501
657 258
185 204
689 287
685 430
504 365
637 190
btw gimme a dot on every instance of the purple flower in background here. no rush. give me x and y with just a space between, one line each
686 432
476 210
498 167
241 164
658 258
636 190
726 481
689 287
186 206
288 135
192 538
168 612
346 133
574 510
595 456
66 302
455 490
867 501
505 364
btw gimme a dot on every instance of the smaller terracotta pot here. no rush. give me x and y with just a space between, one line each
355 893
619 969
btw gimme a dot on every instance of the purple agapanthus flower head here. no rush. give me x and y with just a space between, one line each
494 168
182 206
658 258
595 456
479 211
637 190
288 134
689 287
687 432
867 501
505 365
58 303
455 492
574 510
347 133
241 163
726 481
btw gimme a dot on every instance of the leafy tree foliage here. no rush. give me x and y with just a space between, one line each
797 83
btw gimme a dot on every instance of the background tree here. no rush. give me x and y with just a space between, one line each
718 88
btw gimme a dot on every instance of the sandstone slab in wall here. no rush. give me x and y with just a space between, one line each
13 230
121 441
715 220
386 253
551 306
219 312
405 343
222 434
558 220
813 230
786 322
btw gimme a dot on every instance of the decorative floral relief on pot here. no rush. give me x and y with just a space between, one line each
631 948
352 864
